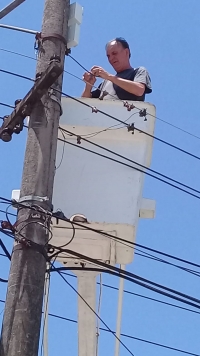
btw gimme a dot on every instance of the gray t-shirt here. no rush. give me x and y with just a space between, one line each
139 75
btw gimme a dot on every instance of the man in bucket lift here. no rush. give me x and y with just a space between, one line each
128 84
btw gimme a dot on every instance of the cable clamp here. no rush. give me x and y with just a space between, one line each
131 128
143 113
32 197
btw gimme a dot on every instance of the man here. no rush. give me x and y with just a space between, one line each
128 84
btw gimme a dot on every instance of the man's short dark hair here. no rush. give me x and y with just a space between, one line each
123 42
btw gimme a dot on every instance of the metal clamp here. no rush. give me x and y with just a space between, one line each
32 197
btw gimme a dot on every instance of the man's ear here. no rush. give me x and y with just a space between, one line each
128 52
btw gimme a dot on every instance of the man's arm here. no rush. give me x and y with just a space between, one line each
128 85
87 92
89 79
135 88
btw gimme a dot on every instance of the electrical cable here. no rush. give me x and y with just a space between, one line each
37 59
166 122
125 335
129 160
63 151
6 105
3 280
128 275
140 295
16 75
113 117
129 166
125 124
122 334
154 258
7 254
80 296
120 239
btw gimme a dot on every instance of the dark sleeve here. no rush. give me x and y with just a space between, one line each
96 93
142 76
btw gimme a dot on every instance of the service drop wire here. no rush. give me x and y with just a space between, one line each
80 296
117 238
128 159
106 114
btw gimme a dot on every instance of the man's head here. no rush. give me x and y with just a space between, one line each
118 53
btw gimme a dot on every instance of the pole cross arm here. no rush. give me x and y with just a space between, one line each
10 7
14 122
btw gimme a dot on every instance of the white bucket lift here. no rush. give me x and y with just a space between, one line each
107 193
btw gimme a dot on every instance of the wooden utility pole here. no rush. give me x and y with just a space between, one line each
23 308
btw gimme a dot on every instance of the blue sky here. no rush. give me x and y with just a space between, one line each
164 37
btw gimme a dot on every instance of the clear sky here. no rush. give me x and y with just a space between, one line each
163 37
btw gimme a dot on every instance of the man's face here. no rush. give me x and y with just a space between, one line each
118 56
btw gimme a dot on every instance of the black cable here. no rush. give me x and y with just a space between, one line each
122 334
129 160
6 105
150 256
154 258
140 295
125 124
120 239
133 278
37 59
16 75
129 166
80 64
110 116
7 254
11 214
131 337
73 235
156 117
3 280
80 296
125 335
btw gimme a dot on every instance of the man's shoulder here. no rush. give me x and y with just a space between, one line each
140 69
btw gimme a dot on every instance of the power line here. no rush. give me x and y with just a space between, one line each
158 288
114 118
16 75
7 105
80 296
122 334
87 227
146 296
154 258
140 295
156 117
129 160
164 121
129 166
7 254
127 125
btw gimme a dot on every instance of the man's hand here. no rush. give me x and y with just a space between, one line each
100 72
89 79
